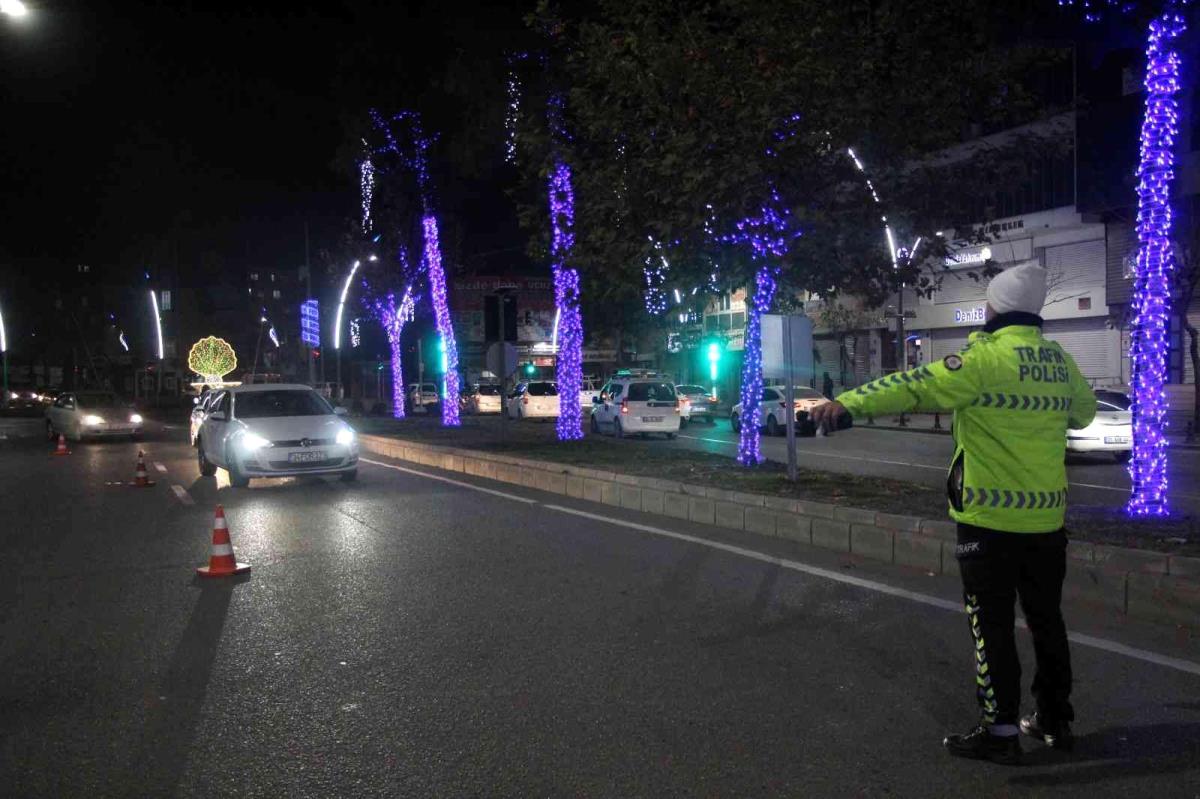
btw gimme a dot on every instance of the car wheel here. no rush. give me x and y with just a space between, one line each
348 477
670 436
207 467
595 424
772 426
736 423
236 478
1123 456
618 431
683 423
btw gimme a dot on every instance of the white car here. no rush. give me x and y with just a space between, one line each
91 414
630 405
535 400
1111 430
483 398
419 397
700 405
772 408
589 389
199 412
277 430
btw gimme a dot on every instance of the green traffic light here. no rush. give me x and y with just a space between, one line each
530 369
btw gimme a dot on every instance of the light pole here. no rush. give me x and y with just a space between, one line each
262 320
337 328
158 329
4 357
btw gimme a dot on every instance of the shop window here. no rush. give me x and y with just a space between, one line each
1085 303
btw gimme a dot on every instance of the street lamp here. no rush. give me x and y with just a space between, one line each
337 329
13 8
4 356
158 329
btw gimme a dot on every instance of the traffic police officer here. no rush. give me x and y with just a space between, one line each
1014 395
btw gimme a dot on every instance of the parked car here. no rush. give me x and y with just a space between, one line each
772 408
1111 430
91 414
482 398
419 397
535 400
700 405
629 405
589 389
278 430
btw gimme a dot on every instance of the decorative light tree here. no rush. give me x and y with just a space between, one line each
431 260
394 316
769 236
1152 283
568 364
212 358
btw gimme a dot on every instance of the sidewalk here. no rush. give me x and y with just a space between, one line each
925 423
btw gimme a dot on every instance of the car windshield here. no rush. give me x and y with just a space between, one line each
693 390
651 392
1114 400
489 391
807 393
295 402
99 401
543 390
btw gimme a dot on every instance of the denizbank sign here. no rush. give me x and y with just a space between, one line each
973 315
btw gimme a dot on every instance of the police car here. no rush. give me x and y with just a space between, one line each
637 403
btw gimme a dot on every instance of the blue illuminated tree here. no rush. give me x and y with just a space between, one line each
1152 287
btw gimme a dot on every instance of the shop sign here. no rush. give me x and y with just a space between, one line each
969 316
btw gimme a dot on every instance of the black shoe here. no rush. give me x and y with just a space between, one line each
980 744
1056 735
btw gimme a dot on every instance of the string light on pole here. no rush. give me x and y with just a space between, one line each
569 361
366 180
655 273
512 115
394 317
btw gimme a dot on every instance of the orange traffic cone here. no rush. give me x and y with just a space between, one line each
62 446
222 563
139 476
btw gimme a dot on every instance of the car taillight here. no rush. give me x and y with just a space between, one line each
624 407
524 400
783 405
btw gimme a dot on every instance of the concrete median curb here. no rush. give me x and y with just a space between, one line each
1151 586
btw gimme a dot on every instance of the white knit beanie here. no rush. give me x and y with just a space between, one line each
1019 288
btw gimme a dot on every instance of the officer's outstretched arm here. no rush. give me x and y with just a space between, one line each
949 384
1083 399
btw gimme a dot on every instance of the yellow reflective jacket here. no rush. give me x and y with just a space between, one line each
1014 395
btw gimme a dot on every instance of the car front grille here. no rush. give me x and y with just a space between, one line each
312 442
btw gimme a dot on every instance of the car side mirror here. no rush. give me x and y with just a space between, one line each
217 416
338 410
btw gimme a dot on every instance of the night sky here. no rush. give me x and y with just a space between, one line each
124 121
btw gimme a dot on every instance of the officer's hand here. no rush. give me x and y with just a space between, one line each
827 413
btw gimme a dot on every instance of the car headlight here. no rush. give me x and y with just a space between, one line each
92 419
252 442
345 437
135 418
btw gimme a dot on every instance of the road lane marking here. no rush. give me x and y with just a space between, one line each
458 483
183 495
881 588
160 467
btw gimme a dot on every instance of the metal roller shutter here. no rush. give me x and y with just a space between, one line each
947 341
1095 348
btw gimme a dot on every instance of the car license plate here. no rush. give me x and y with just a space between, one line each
1116 439
652 418
306 457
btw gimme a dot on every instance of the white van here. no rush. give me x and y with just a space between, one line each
630 404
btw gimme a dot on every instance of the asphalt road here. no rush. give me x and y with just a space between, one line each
924 457
409 636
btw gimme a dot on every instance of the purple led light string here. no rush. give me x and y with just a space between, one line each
568 365
1152 286
769 236
366 180
393 318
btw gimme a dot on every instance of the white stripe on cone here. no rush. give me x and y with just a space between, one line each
222 549
219 523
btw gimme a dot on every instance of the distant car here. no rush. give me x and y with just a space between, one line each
483 398
534 400
1111 430
91 414
426 394
49 396
701 405
589 389
275 430
635 404
772 408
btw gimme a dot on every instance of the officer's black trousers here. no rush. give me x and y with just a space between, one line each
997 568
